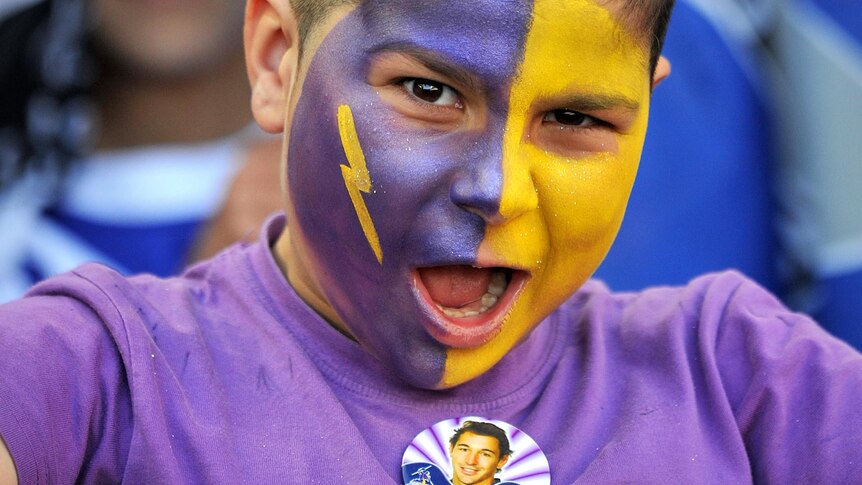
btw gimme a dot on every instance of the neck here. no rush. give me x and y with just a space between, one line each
298 275
197 108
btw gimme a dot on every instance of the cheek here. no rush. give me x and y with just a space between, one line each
582 202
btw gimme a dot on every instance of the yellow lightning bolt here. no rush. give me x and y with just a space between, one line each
356 177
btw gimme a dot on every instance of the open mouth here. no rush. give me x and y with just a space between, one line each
469 303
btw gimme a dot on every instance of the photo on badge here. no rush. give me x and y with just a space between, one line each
474 451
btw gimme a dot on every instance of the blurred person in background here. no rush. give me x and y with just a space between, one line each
816 75
125 137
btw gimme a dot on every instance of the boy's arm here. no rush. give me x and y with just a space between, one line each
8 476
62 389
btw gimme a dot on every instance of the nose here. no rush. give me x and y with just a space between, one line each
496 195
472 458
479 191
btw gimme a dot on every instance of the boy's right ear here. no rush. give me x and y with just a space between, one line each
271 40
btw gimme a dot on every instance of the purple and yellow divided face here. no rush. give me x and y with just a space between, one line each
458 169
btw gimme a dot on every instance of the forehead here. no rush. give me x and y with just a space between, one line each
484 36
478 441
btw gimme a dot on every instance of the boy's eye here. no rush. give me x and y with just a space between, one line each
432 92
574 134
569 118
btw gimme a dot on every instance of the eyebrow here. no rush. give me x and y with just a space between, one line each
434 62
600 102
480 449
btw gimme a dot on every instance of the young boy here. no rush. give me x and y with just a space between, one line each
455 171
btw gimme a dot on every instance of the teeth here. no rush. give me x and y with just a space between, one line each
498 284
496 288
451 312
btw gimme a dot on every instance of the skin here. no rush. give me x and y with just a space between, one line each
8 475
524 161
475 459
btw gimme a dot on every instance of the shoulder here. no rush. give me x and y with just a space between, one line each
711 299
723 319
56 349
94 303
707 301
725 350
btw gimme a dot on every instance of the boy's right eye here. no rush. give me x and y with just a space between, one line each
432 92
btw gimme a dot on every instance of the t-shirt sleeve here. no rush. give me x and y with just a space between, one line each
64 404
796 392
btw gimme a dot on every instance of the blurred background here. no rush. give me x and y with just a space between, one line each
125 137
704 197
753 160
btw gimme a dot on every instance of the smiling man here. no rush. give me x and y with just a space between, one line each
479 450
454 173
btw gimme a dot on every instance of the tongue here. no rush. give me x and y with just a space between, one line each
456 286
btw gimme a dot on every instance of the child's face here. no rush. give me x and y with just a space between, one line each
500 141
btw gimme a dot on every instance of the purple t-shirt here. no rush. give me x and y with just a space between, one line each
224 375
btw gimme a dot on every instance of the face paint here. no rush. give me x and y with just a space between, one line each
356 177
383 242
563 206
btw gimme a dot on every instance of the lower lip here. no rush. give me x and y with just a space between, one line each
468 331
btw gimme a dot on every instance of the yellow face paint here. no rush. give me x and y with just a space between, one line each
561 208
356 177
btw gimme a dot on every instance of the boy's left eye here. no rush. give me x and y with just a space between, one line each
569 118
432 92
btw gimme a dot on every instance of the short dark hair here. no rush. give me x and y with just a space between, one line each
482 428
309 13
649 18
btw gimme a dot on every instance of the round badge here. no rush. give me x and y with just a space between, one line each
474 451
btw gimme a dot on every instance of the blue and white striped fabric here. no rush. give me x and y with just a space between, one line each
819 53
702 200
135 210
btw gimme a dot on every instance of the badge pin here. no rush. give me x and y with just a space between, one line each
474 450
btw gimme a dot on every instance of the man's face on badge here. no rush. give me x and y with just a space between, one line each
456 170
475 459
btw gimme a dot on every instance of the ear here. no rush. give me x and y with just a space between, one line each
502 462
271 40
662 71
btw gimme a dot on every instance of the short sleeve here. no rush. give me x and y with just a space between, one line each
795 390
64 399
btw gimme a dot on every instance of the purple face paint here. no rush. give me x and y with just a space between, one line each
429 189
